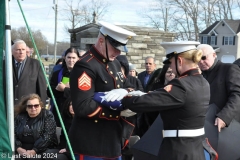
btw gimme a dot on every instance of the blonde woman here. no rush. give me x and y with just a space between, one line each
182 103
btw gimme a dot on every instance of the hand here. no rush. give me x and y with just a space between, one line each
67 85
63 150
115 94
127 113
21 151
60 87
31 153
220 123
136 93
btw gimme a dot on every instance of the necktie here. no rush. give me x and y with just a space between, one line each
18 69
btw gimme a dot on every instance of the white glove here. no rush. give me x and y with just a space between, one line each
127 113
115 94
136 93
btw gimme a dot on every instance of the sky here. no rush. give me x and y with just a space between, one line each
41 16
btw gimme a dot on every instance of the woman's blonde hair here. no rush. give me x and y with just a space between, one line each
193 55
22 105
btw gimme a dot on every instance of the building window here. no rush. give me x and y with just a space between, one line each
228 40
204 40
212 42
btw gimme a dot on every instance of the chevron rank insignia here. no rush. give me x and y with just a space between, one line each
168 88
84 82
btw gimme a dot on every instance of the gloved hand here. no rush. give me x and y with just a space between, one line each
100 98
127 113
136 93
115 94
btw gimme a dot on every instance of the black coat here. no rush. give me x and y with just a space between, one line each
44 131
96 131
224 80
60 97
31 80
182 104
141 77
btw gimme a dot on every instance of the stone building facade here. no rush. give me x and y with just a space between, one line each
146 43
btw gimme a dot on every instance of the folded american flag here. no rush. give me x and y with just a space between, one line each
100 98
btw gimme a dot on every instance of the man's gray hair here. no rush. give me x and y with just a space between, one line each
18 41
207 47
150 57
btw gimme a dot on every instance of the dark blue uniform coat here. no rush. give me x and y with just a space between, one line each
96 130
182 104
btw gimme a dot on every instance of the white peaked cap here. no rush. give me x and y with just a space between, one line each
178 47
117 33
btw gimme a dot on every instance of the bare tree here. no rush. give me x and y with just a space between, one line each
39 38
189 17
159 14
191 10
79 14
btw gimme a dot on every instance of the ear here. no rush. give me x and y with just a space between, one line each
214 55
180 61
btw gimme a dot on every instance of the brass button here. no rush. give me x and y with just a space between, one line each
118 86
105 81
116 78
103 114
96 121
116 116
121 80
110 115
91 54
104 60
111 72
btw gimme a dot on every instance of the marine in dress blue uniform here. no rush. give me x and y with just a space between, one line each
182 103
98 132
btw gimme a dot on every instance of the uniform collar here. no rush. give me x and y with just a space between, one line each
98 55
190 72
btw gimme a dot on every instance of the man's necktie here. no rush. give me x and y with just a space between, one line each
18 64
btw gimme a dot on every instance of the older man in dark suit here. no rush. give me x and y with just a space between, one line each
28 76
224 80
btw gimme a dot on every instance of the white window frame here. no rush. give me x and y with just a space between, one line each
212 42
228 40
204 40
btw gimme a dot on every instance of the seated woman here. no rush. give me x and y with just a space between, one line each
35 129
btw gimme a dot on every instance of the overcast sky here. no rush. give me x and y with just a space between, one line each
40 15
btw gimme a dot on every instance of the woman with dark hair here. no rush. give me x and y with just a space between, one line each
35 129
59 61
164 77
59 81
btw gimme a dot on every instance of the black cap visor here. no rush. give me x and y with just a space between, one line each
119 46
169 56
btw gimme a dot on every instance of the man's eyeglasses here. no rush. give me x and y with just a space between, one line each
204 58
169 72
32 105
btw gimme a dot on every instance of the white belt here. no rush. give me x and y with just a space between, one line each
183 133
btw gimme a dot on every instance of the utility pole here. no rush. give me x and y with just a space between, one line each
55 36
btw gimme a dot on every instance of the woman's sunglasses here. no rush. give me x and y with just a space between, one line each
32 105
